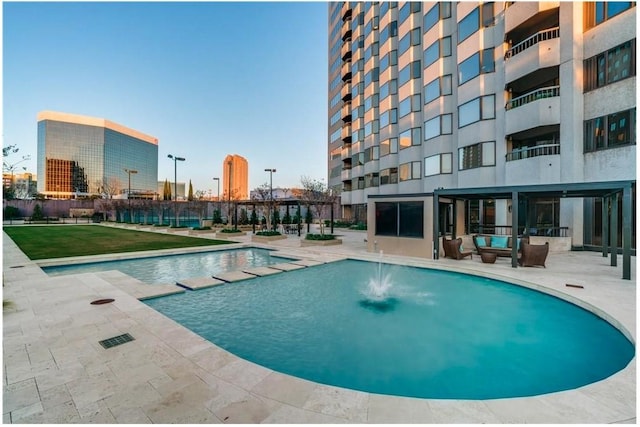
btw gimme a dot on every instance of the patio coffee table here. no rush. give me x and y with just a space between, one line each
488 257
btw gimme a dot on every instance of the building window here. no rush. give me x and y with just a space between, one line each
613 130
388 117
439 125
371 76
408 8
409 171
412 38
409 104
596 13
385 6
389 176
391 30
371 180
441 10
358 89
371 127
611 66
389 88
411 71
400 219
372 50
390 58
477 155
479 63
334 119
335 100
389 146
471 23
439 49
357 159
439 164
371 102
410 137
437 88
482 108
336 135
371 154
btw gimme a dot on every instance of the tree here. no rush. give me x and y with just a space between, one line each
317 195
254 217
276 219
108 187
190 195
217 217
10 167
244 219
263 194
200 208
166 191
37 214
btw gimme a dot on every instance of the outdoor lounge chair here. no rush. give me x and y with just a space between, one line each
533 255
453 249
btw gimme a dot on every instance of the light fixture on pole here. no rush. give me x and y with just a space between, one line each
271 172
175 159
129 172
230 163
217 179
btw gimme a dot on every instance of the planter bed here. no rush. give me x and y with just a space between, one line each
221 235
305 242
266 239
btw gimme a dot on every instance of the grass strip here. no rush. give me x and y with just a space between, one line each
60 241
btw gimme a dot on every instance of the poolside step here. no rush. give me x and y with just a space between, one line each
307 262
199 283
234 276
286 266
262 271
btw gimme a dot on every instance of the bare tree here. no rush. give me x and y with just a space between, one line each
104 206
108 187
120 206
162 205
199 207
316 194
263 194
146 206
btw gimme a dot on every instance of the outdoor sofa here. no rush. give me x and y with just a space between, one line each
499 245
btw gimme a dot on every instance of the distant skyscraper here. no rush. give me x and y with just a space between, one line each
235 177
81 156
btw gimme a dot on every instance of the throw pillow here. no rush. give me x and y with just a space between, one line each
499 241
480 241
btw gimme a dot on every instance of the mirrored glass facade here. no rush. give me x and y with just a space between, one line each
78 156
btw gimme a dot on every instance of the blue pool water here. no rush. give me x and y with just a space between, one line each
169 269
436 335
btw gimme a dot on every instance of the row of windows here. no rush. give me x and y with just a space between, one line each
334 100
610 131
334 119
596 13
335 135
610 66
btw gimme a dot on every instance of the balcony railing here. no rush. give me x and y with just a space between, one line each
538 150
505 230
552 33
544 92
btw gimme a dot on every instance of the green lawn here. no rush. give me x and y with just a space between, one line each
42 242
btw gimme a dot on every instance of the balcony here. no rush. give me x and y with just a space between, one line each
345 72
346 11
346 31
346 134
542 50
545 92
345 51
532 112
551 33
345 175
346 154
345 196
517 13
538 169
536 151
346 91
346 113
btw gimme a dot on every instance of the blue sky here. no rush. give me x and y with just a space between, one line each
206 79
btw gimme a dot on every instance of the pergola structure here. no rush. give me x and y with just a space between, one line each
609 191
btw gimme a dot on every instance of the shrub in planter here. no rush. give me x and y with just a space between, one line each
201 228
179 226
268 233
230 230
311 236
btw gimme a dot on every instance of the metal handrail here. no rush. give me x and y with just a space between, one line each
551 33
505 230
544 92
535 151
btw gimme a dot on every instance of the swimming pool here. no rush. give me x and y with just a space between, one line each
172 268
437 334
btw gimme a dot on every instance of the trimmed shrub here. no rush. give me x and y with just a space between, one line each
230 230
312 236
11 212
268 233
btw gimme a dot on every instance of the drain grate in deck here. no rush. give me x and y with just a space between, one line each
112 342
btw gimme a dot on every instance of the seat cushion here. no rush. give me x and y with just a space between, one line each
499 241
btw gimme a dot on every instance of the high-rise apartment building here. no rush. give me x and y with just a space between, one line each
429 95
83 156
235 178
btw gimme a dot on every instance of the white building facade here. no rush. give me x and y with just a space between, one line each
428 95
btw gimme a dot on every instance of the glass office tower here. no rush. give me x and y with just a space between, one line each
84 156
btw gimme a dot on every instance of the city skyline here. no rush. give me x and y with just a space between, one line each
255 89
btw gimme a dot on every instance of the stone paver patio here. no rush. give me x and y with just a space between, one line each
55 370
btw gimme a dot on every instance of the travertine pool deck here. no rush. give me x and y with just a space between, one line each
56 372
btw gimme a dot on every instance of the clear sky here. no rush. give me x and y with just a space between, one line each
206 79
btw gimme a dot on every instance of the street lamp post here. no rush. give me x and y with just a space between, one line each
229 192
129 172
217 179
175 159
271 172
